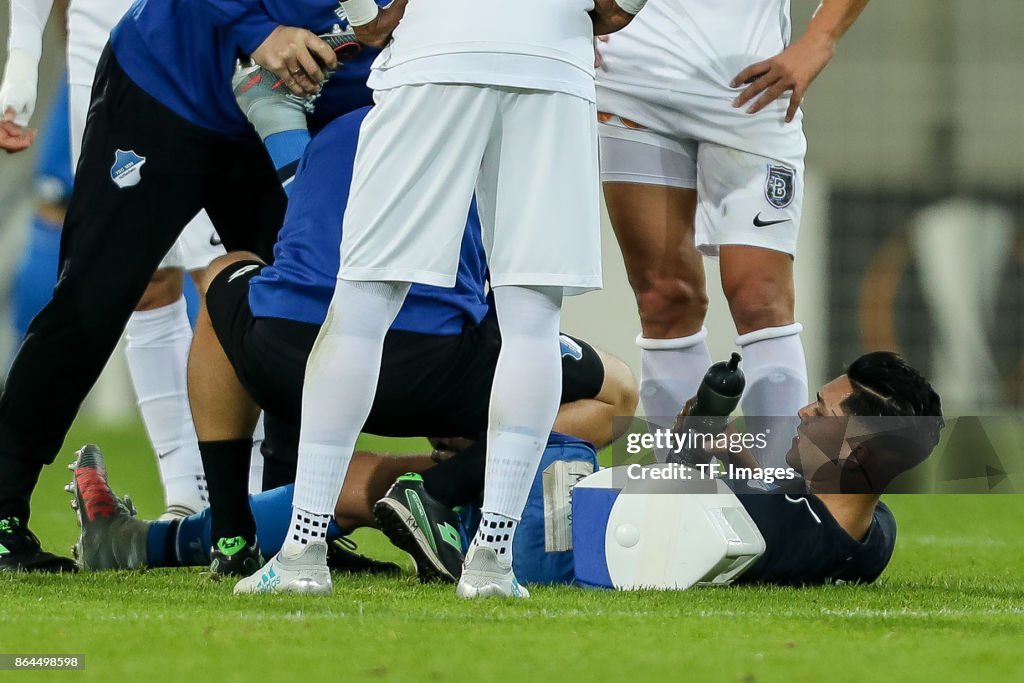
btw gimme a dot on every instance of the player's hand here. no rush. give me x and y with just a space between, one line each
15 138
378 32
296 56
793 70
683 414
18 100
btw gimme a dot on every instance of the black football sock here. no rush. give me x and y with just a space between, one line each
18 478
280 451
459 480
226 464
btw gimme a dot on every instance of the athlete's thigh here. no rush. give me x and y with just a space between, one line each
582 369
136 185
650 191
434 385
747 199
416 165
543 177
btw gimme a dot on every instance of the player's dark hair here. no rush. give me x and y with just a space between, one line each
884 385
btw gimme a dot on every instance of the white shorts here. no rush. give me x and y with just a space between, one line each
747 171
198 244
531 157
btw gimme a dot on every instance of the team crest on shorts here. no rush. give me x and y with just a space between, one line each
127 168
779 187
570 348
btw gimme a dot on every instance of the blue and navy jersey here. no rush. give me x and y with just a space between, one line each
804 544
53 166
183 52
300 283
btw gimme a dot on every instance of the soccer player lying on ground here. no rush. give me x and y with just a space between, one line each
812 534
829 523
259 323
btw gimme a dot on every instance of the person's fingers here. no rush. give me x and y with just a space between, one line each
322 51
17 141
13 130
603 39
750 73
755 89
310 69
770 95
9 114
292 83
794 106
293 76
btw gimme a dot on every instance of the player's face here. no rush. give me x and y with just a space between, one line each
822 429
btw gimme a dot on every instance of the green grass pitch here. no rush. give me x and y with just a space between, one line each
950 608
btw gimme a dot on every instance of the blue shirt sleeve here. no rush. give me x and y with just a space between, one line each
246 20
252 30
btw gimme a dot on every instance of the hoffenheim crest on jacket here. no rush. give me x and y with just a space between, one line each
778 188
127 168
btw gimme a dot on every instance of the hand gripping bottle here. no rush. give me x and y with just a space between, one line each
718 395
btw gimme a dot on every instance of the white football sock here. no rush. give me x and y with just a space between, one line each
497 532
524 397
341 380
306 527
776 373
256 460
670 372
157 351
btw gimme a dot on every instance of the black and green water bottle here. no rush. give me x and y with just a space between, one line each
717 397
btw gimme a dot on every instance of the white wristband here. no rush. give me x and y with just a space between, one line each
631 6
361 12
18 89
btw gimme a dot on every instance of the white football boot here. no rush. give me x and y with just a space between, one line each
485 576
303 572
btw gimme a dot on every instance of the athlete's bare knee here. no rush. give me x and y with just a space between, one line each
758 283
757 304
671 307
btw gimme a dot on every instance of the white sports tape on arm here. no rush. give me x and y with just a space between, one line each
360 12
631 6
19 84
28 20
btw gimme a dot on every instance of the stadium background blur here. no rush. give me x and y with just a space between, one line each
912 230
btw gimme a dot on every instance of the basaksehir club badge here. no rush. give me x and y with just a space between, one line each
779 187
